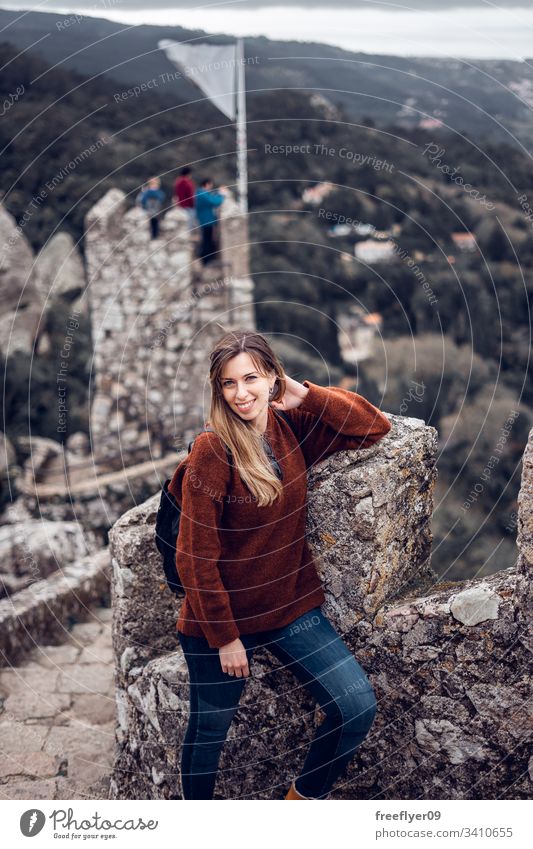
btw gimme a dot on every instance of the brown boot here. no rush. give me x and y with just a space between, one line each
293 793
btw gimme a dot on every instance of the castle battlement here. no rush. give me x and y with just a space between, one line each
155 314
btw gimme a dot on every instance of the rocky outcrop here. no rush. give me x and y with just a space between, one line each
38 452
20 295
40 613
60 268
9 471
32 550
369 517
46 461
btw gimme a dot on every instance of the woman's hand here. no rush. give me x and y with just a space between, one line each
294 394
233 659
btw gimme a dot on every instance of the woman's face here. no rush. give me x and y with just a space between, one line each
245 389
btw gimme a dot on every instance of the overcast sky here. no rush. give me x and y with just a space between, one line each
470 28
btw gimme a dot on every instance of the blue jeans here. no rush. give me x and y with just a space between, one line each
316 654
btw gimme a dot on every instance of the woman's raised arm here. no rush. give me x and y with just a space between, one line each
331 419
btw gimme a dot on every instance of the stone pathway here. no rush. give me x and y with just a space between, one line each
57 709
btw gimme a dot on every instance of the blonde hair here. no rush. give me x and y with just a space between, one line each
242 439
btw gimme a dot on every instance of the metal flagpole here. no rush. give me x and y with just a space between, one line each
242 153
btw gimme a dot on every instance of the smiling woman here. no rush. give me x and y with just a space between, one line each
244 562
245 377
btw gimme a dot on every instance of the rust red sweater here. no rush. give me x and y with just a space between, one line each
247 568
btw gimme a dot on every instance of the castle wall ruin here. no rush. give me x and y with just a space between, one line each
155 313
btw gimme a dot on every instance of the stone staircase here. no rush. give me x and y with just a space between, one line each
57 716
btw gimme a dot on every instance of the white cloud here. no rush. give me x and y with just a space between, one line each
478 30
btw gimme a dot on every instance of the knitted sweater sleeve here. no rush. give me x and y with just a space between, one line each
204 485
331 419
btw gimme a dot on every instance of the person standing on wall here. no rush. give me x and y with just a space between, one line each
184 194
207 203
152 199
242 556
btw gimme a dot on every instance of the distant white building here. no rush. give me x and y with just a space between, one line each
364 229
430 124
371 251
340 230
357 333
464 241
316 194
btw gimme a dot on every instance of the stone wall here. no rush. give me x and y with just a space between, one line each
155 312
32 549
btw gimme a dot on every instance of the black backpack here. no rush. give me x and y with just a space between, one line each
167 525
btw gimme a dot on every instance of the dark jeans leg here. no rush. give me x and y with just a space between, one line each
214 698
208 245
154 227
312 649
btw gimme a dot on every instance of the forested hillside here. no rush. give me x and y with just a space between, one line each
485 99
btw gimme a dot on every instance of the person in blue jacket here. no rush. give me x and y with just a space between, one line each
207 201
151 199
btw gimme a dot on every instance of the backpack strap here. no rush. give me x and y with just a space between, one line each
205 430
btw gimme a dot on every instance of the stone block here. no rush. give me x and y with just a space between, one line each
88 678
96 709
475 605
17 738
37 764
30 789
31 704
54 657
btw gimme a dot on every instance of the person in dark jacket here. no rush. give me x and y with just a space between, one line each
151 199
207 202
